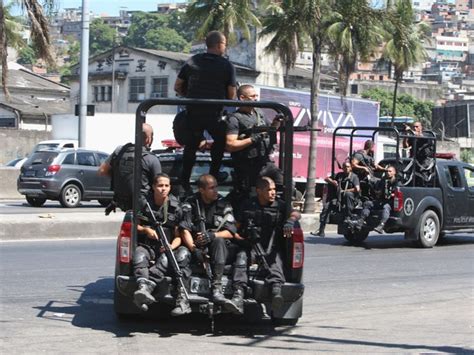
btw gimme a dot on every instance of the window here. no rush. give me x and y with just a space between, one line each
86 158
69 159
102 157
381 77
453 177
469 174
371 77
137 89
102 93
159 88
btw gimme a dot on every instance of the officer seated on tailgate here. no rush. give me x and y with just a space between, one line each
262 220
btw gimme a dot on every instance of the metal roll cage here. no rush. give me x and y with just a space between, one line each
398 136
286 142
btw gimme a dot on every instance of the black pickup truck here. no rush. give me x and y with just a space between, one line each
259 293
422 213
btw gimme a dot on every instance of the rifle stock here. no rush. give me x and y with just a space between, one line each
257 247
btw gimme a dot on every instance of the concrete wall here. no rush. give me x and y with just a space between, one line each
17 143
8 177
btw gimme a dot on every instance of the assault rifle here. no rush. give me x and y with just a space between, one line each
168 251
202 230
254 238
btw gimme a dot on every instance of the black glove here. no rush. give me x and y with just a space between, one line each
179 273
256 138
205 239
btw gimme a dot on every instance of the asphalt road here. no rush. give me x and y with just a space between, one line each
386 296
12 207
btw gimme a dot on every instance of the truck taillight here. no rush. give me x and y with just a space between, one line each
297 253
124 242
52 169
397 200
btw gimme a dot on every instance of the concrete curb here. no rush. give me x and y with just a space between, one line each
48 226
87 225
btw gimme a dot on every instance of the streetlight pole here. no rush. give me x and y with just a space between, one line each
84 73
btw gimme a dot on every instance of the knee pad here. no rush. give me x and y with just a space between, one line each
162 261
183 255
140 257
241 259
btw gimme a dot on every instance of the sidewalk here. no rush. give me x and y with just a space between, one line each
61 225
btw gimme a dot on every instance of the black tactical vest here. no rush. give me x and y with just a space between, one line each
268 219
247 121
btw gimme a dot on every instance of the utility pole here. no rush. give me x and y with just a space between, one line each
84 73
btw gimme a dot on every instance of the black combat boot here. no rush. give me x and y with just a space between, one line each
143 297
320 232
379 228
182 304
217 295
277 298
236 304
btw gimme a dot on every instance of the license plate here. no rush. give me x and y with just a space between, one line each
30 173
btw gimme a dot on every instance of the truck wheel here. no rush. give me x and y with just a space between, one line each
35 201
428 229
284 321
70 196
356 237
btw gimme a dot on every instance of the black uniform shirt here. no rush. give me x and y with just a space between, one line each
346 182
217 214
268 219
207 76
387 187
170 215
365 160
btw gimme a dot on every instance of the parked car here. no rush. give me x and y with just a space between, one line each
55 144
16 163
67 175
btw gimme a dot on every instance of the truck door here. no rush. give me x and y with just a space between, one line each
455 196
469 176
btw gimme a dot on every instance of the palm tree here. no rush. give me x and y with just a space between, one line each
404 48
307 17
283 21
354 33
39 33
223 15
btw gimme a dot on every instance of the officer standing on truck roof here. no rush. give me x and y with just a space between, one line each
206 76
250 150
150 263
119 166
208 225
267 213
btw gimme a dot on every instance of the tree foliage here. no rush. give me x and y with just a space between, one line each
102 37
226 16
404 46
407 105
354 31
155 31
27 55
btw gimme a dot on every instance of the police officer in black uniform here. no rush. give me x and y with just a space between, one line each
348 189
250 150
364 165
206 76
150 264
331 204
267 214
384 199
119 166
214 237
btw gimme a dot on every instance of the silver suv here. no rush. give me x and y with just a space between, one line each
67 175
